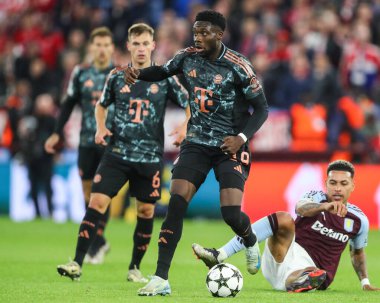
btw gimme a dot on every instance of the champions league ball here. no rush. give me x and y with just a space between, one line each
224 280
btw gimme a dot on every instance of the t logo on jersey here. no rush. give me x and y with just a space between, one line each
136 107
201 98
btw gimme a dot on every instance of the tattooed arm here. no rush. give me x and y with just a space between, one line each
308 208
358 260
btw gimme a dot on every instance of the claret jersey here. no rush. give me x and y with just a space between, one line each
220 94
138 125
85 88
326 235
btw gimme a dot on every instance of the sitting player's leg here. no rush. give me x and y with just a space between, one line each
305 279
141 239
278 227
211 256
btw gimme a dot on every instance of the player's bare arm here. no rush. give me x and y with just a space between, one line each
358 259
101 130
308 208
51 143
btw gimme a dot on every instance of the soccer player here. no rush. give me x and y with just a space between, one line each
304 254
135 152
222 86
84 89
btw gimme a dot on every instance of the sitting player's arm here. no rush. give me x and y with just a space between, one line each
309 208
358 259
314 202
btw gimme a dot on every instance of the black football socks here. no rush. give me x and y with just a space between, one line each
87 233
141 239
171 231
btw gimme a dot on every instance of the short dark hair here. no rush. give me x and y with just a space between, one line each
215 18
100 32
139 28
341 165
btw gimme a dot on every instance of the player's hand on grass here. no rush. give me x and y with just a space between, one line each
101 134
130 75
370 288
51 142
232 144
336 208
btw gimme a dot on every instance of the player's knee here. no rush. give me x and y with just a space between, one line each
145 210
285 221
99 202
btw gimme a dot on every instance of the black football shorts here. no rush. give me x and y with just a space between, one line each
144 178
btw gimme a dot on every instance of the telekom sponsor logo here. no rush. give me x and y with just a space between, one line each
328 232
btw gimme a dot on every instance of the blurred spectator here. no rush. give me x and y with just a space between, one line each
41 79
345 138
22 63
50 43
18 104
326 87
297 82
308 120
33 131
361 60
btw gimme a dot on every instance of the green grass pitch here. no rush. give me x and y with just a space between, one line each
30 252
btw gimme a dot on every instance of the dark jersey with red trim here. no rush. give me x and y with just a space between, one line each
85 87
326 235
138 125
220 93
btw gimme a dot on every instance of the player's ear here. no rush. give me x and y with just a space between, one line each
153 45
219 35
127 46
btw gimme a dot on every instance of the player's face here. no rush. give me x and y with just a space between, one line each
339 185
102 48
206 37
141 48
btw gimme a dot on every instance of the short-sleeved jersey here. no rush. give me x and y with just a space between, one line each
85 87
220 93
326 235
138 125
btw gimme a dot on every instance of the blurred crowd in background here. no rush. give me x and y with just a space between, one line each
318 61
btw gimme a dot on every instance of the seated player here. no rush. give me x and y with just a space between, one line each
295 257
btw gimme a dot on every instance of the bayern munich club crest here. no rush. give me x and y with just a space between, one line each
154 88
218 79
